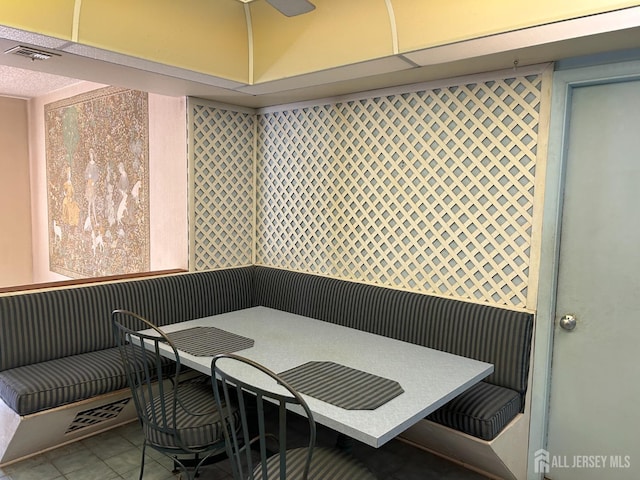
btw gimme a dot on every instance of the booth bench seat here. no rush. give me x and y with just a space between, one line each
61 377
57 351
49 384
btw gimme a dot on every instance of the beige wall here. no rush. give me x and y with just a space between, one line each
167 181
15 204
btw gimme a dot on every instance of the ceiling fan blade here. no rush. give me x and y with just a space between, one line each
291 8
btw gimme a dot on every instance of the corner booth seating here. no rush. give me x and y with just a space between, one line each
61 377
59 365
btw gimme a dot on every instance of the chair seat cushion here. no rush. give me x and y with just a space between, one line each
40 386
482 411
326 463
191 431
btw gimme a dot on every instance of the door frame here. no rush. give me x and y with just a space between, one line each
564 83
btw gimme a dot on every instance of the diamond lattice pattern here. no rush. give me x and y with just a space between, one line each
430 191
223 204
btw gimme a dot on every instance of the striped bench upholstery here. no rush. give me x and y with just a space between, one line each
57 347
498 336
40 386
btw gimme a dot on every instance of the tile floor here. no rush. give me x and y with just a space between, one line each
116 455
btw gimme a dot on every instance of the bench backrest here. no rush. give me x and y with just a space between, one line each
40 326
495 335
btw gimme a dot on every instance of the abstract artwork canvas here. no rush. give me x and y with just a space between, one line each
97 150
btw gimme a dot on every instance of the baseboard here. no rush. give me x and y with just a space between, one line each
503 458
29 435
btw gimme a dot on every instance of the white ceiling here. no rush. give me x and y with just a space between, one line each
21 83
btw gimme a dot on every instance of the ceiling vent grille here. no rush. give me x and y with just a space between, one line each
32 53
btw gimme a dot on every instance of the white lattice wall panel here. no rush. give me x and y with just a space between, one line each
430 191
223 191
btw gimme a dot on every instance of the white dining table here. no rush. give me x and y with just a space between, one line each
429 378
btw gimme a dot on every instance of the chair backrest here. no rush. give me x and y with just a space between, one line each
151 377
260 395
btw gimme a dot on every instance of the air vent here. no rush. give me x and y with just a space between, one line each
32 53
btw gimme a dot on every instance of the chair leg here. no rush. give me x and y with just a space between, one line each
178 467
144 447
182 469
191 467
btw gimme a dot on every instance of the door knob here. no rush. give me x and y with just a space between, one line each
568 322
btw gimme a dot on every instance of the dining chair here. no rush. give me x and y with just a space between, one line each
178 415
255 451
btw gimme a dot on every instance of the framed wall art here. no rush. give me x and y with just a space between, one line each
97 153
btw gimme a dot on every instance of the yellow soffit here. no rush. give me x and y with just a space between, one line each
251 48
423 24
336 33
201 35
54 19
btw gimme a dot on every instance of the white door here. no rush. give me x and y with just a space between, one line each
594 423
